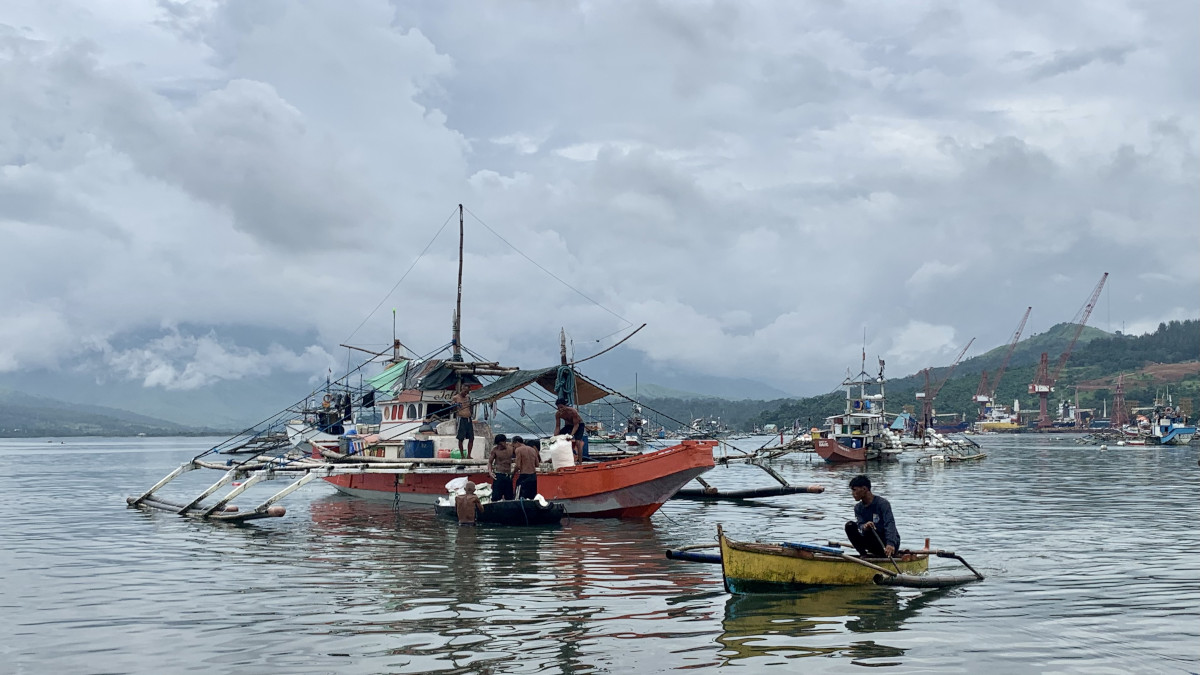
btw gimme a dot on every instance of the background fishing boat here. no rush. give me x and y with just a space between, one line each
860 432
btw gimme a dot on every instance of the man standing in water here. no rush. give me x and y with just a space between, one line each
873 531
571 424
500 463
467 506
526 468
462 411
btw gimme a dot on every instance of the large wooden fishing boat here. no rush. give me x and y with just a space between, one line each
632 486
753 567
395 439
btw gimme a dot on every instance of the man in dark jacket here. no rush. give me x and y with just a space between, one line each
873 531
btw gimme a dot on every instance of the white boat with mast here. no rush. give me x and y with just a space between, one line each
861 432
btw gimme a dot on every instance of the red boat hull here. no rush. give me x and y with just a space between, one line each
633 487
831 451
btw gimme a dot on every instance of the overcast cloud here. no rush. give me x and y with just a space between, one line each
758 182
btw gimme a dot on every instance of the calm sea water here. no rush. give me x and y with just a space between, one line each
1090 557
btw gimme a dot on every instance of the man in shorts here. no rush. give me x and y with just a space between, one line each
572 425
462 412
500 466
526 460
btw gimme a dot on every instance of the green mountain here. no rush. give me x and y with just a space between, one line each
25 416
1097 360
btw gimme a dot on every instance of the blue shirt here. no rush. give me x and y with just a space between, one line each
879 513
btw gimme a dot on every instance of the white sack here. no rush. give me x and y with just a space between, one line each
558 451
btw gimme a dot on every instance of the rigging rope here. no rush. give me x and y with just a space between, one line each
522 254
403 277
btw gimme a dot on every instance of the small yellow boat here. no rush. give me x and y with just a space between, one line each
753 567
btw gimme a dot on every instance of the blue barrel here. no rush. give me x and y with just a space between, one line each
418 449
585 446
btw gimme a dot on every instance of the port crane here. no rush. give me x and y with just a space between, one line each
986 397
928 395
1044 380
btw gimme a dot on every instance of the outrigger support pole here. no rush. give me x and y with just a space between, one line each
225 480
169 477
246 484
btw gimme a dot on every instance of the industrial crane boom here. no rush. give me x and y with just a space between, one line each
938 387
1080 323
1012 345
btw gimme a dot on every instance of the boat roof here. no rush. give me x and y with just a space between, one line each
586 391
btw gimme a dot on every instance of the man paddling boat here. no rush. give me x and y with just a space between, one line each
873 531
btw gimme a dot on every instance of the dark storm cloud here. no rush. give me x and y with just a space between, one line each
758 181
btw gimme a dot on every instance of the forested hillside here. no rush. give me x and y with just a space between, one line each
33 416
1094 365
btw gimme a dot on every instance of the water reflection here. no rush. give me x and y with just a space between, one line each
773 628
446 596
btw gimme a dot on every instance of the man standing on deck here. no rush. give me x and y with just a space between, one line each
526 459
571 424
873 531
500 463
462 411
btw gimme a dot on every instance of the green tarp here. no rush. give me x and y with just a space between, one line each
386 380
585 390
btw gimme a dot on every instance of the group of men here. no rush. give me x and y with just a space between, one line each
566 421
508 460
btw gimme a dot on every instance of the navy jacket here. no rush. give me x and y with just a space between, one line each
880 513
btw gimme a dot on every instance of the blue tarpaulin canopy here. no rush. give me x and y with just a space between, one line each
902 422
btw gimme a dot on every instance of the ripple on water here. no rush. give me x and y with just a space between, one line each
1080 577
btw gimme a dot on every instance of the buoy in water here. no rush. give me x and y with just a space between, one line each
276 511
1103 447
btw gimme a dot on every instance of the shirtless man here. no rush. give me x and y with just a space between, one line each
571 424
500 464
526 460
468 506
462 412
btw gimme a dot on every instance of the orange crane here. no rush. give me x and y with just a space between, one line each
928 395
984 396
1043 382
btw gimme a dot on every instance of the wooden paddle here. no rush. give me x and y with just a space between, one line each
864 563
884 549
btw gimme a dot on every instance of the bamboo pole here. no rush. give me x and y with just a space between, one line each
253 479
864 563
167 479
225 480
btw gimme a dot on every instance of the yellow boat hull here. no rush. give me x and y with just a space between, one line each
770 568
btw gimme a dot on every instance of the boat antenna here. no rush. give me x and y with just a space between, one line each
562 345
457 339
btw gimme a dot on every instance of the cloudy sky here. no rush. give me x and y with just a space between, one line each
758 182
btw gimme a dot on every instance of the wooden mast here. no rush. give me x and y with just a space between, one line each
458 303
